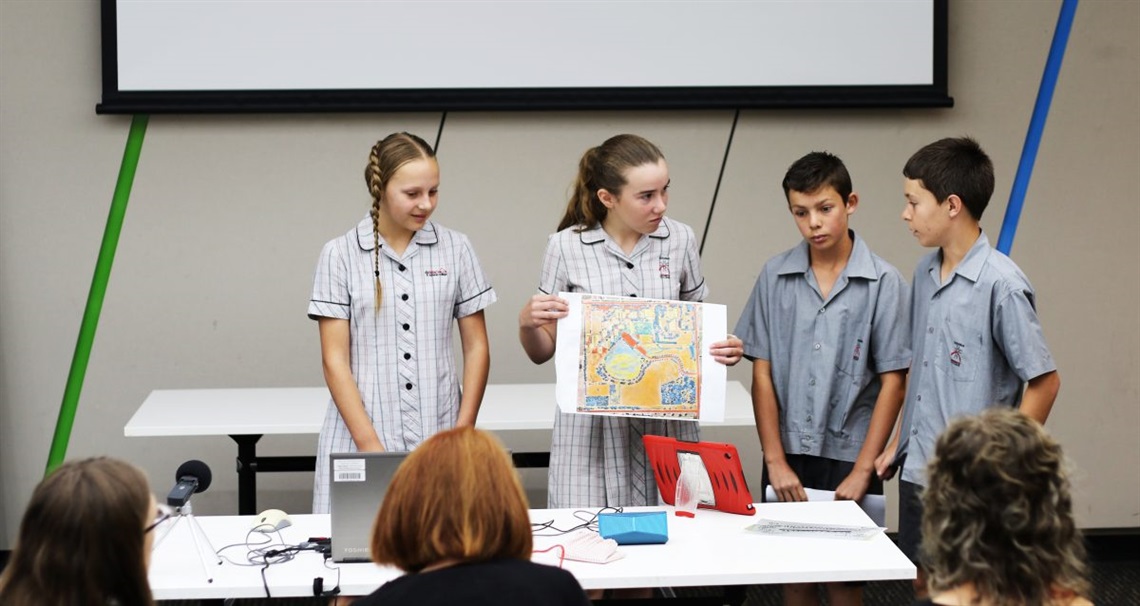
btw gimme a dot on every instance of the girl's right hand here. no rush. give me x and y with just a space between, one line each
541 310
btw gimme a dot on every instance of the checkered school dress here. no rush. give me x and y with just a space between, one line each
401 357
595 460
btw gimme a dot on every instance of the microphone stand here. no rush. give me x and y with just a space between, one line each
196 534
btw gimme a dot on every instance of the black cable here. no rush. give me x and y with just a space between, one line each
268 552
439 133
590 523
719 178
265 583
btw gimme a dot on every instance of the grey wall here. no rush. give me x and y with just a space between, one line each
228 213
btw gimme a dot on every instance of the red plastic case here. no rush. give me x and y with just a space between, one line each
730 490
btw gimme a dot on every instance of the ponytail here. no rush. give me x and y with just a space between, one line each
604 167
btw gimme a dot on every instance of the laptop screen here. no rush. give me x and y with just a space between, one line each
358 483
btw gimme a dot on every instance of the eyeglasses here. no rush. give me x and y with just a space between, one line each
164 512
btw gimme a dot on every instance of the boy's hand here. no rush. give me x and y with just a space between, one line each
728 351
883 466
854 486
785 482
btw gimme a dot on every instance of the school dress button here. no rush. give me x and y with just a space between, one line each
403 297
822 309
402 268
816 346
919 398
633 294
407 326
811 382
930 329
407 356
629 265
408 385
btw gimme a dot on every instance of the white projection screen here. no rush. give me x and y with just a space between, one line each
200 56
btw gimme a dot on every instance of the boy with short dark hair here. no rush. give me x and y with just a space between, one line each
976 337
827 330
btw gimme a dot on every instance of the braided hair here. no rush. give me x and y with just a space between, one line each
385 158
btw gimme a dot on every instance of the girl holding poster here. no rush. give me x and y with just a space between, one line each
613 240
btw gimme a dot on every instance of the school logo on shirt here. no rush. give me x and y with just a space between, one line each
663 267
858 349
956 354
435 272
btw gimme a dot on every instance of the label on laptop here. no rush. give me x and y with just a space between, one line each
348 470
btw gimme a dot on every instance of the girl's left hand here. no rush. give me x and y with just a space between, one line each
729 351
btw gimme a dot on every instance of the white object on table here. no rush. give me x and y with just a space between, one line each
874 504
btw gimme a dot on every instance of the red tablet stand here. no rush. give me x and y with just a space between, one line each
730 491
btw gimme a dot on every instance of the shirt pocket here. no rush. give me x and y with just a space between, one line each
958 350
852 349
850 342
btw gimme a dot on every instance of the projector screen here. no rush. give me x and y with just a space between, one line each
192 56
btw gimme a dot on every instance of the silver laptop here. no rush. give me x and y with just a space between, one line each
358 481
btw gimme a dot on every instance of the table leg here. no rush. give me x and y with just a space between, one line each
531 459
247 473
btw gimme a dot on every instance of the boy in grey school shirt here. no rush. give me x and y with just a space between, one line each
976 337
827 330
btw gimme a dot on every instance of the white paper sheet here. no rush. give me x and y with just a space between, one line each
875 505
641 350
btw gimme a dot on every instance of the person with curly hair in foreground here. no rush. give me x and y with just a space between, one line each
998 523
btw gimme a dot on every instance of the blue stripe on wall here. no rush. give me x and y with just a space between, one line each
1036 125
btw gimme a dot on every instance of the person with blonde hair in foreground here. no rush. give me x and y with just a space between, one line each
85 538
998 523
455 520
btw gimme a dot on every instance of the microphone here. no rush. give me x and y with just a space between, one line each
192 476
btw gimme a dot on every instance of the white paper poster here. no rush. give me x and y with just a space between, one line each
630 356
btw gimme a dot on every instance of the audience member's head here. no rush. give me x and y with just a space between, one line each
456 498
84 538
998 517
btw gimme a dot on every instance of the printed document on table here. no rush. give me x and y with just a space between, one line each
874 505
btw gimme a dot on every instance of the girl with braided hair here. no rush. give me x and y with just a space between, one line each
385 296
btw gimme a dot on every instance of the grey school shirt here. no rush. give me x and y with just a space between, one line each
826 354
976 341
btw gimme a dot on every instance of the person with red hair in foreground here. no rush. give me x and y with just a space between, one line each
455 519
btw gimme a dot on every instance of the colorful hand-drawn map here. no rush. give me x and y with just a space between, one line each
640 357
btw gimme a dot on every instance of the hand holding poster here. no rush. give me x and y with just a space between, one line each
638 357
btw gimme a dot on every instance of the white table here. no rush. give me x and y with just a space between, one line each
245 415
712 549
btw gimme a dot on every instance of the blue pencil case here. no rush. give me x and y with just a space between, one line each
634 528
